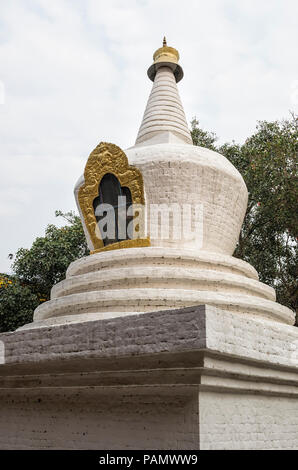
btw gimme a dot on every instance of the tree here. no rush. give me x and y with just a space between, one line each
268 240
17 303
201 137
37 269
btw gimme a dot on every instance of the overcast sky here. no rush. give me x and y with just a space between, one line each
73 73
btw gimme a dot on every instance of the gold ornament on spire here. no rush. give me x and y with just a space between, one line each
166 56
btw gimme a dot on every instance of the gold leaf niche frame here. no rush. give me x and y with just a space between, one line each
109 158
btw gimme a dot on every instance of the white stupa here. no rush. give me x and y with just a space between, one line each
151 271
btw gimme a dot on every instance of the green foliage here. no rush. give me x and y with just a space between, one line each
268 239
17 303
45 263
37 269
201 137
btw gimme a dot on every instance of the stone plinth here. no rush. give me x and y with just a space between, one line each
195 378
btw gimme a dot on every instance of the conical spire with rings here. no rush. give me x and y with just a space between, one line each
164 113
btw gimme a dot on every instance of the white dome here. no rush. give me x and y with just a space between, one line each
186 174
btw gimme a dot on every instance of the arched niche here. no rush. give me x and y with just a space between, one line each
107 175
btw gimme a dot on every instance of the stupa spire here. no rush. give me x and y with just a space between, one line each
164 114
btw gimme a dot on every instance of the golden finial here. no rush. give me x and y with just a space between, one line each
168 56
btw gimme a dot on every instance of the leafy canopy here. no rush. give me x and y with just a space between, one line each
268 163
37 269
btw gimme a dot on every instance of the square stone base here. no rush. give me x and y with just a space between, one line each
195 378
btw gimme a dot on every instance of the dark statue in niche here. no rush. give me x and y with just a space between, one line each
110 209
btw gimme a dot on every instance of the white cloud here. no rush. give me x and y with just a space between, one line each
74 73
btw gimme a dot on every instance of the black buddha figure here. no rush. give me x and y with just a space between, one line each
112 218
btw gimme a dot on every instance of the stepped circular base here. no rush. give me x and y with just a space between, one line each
150 299
139 280
161 256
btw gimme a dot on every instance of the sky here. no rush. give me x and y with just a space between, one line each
73 73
